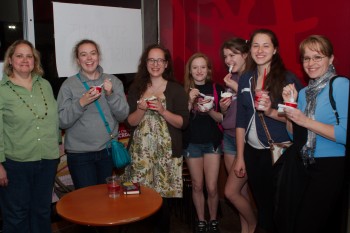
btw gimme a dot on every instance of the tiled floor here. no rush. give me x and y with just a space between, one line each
229 223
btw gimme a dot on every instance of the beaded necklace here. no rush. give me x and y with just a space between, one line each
27 105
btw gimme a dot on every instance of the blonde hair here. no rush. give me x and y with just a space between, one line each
188 79
8 69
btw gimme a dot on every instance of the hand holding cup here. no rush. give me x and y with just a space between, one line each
151 102
89 97
261 99
96 89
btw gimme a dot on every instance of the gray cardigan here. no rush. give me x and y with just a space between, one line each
84 127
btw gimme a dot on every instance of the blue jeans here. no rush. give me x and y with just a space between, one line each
89 168
26 200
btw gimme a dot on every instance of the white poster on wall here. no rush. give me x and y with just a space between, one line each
118 31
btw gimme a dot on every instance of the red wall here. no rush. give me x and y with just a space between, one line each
189 26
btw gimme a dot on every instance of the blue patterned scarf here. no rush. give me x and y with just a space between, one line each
314 88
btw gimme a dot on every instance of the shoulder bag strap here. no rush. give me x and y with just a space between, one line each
331 99
270 141
98 107
261 116
216 97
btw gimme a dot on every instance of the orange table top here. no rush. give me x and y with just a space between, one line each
92 206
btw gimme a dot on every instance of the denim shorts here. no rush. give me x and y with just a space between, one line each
198 150
229 144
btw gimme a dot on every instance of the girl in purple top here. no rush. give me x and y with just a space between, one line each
234 53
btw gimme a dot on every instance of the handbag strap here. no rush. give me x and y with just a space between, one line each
331 98
216 97
98 108
270 141
261 116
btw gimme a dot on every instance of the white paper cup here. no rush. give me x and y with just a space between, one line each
206 104
225 95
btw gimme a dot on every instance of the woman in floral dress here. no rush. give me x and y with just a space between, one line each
158 113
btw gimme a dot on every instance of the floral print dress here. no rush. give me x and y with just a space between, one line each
151 154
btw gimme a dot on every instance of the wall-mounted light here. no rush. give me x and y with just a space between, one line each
12 27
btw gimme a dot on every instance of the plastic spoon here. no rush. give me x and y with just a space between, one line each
201 94
103 83
291 96
230 69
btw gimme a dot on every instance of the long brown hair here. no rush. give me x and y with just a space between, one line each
276 78
142 77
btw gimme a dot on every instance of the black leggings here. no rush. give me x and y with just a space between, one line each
260 179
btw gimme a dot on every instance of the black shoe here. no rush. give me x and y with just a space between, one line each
214 226
201 227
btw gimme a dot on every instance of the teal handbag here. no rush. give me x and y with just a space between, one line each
120 155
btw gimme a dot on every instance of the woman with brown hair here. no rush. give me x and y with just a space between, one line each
158 113
235 52
265 71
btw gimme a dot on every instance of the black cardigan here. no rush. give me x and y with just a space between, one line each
177 103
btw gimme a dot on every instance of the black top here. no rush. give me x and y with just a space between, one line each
202 127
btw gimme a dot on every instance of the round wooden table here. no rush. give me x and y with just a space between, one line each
92 206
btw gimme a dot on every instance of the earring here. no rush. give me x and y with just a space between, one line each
331 66
10 66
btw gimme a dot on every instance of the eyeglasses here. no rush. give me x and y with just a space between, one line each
152 61
314 59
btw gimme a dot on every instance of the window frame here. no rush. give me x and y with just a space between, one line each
28 24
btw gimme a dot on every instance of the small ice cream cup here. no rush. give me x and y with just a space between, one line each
206 104
258 95
225 95
98 89
291 104
150 101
